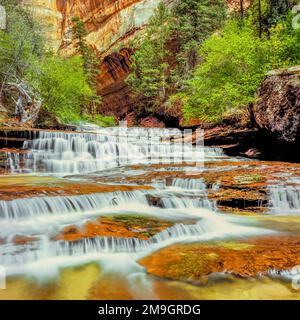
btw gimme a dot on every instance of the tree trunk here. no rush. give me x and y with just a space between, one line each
242 9
259 19
27 105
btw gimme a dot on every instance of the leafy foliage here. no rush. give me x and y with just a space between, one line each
62 96
167 52
25 62
234 64
102 121
90 61
20 43
193 22
268 13
149 77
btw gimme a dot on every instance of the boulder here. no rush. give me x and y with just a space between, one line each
278 107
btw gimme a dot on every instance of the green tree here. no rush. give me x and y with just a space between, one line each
31 77
62 96
167 53
233 66
20 44
149 78
91 63
194 21
267 13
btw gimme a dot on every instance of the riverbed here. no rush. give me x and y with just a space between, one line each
132 213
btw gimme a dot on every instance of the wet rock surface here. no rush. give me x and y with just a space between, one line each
30 186
123 226
244 258
151 217
239 187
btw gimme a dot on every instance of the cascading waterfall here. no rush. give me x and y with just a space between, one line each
82 152
14 257
284 199
189 184
14 161
31 208
185 203
34 251
94 149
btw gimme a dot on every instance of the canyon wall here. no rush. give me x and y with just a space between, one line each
110 24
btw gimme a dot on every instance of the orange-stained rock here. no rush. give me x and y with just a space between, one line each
121 226
130 119
13 187
245 258
20 239
242 186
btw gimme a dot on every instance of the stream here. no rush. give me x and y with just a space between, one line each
131 213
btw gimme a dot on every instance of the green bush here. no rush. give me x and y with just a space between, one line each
62 85
102 121
234 62
166 53
149 78
65 85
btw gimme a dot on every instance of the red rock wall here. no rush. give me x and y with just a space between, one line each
110 23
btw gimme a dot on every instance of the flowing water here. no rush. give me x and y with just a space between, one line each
109 156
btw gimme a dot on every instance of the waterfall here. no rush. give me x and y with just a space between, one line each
189 184
284 199
184 202
82 152
17 256
32 208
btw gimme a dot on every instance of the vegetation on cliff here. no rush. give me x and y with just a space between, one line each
209 62
166 53
33 77
235 61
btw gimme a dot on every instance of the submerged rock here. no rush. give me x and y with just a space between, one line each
122 226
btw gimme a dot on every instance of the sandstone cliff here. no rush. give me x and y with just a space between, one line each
110 24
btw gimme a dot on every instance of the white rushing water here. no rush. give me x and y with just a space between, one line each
44 217
82 152
211 226
284 199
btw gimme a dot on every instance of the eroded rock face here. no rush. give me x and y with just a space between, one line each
110 25
116 98
120 226
51 16
151 122
278 107
108 21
